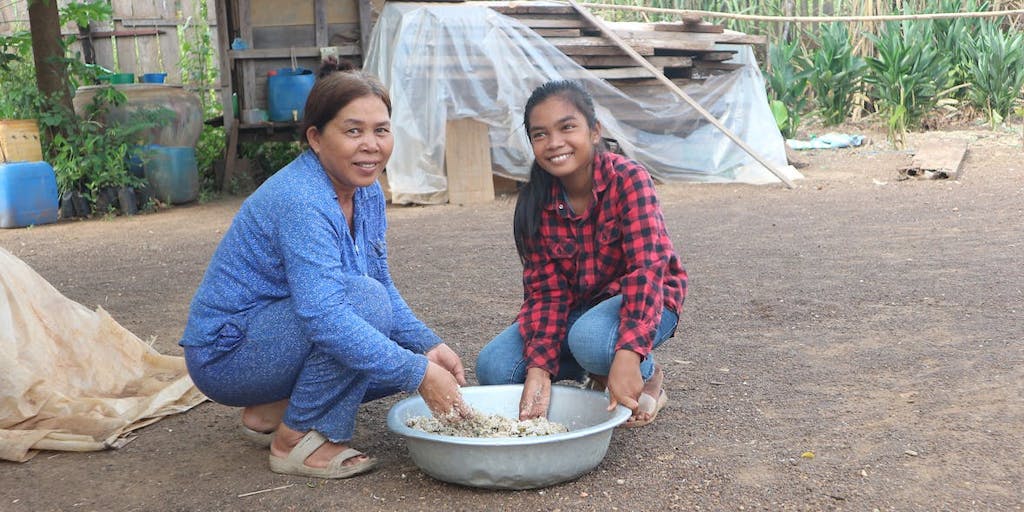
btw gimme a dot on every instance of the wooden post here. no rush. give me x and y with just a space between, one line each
365 27
467 162
320 22
610 34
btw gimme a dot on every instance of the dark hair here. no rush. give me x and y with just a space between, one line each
535 192
337 85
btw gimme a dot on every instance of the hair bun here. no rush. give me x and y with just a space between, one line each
334 64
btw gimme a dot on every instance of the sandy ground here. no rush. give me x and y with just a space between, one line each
871 322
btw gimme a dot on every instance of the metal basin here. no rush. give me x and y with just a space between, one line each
513 462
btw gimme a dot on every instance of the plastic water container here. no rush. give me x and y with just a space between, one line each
28 194
172 173
287 90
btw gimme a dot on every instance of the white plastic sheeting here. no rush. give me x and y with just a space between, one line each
443 62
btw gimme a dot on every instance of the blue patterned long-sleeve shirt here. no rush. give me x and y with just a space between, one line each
290 239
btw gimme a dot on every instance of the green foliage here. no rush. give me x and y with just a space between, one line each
907 75
199 72
81 13
269 157
996 71
89 154
956 35
20 97
836 75
787 84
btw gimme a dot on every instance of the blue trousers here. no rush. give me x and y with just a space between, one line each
588 348
273 360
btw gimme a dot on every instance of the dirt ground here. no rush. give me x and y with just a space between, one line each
871 322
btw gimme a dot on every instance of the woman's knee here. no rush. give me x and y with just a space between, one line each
369 300
490 366
501 359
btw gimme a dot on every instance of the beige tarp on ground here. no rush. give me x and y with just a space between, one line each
74 379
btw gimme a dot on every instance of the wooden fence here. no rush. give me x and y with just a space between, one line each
143 37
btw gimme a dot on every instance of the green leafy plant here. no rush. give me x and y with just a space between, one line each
20 98
787 84
200 74
957 37
837 73
907 75
996 71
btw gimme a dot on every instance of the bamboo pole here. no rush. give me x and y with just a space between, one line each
597 23
807 19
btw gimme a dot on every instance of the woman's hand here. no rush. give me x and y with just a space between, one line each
625 383
440 391
536 394
444 356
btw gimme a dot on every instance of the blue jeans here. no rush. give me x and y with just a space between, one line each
589 347
270 359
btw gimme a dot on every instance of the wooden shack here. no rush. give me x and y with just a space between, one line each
258 36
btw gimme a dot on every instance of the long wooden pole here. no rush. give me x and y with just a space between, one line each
596 22
807 19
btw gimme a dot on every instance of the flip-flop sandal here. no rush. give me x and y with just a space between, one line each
295 462
262 439
650 406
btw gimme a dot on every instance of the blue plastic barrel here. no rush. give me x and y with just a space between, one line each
28 194
172 173
287 90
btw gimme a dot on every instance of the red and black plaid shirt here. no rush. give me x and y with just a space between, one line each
618 246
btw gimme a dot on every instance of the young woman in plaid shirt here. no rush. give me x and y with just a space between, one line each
602 284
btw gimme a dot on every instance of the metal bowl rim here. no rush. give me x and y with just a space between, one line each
620 415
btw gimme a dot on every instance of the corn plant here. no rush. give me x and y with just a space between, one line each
996 71
787 85
837 73
907 75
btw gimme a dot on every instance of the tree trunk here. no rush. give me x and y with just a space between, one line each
51 72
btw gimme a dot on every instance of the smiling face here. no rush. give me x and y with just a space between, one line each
563 143
355 145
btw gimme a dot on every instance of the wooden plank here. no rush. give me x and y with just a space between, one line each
303 35
704 27
467 162
227 82
714 56
268 13
621 73
320 22
247 96
148 55
286 53
558 32
231 158
145 9
170 54
939 158
598 46
553 22
525 8
619 61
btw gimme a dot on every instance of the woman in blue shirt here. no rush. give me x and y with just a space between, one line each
297 319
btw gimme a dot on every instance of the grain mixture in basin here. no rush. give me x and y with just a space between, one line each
486 425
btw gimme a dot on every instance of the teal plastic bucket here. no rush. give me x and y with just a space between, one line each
28 194
287 90
172 173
